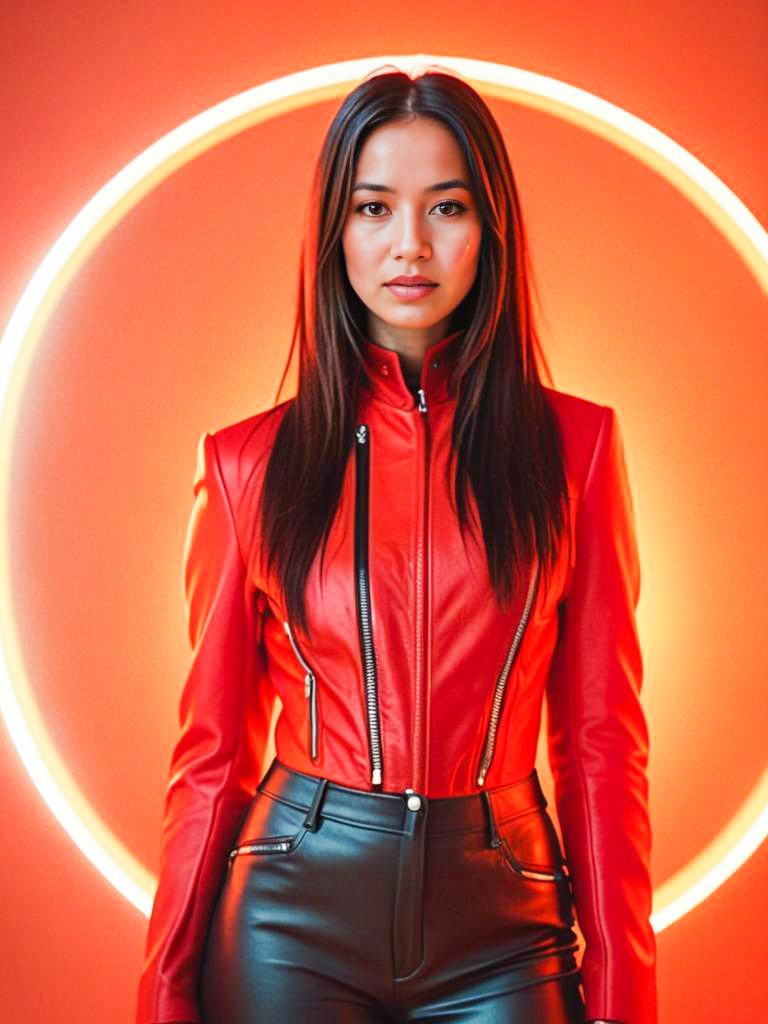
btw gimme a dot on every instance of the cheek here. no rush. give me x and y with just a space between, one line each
356 253
464 254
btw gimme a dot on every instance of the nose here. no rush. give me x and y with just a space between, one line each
410 241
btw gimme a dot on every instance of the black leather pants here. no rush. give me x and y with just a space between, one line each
344 906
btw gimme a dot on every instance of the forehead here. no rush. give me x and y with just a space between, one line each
417 149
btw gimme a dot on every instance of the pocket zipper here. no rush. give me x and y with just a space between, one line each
310 692
281 844
542 876
493 722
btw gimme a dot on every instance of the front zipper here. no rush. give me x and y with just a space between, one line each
422 575
498 697
310 692
363 596
280 844
363 591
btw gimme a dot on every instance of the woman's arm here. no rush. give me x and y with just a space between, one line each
224 714
598 744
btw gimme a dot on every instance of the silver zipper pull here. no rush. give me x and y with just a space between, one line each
309 686
308 673
422 400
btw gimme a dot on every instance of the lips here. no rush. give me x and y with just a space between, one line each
411 288
412 281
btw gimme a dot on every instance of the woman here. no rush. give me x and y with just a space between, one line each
415 554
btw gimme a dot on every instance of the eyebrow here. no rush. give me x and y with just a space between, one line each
369 186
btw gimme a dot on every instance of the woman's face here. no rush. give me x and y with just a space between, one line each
411 212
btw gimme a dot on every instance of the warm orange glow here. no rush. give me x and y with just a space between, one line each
109 206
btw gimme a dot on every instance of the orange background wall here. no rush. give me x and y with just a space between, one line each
180 323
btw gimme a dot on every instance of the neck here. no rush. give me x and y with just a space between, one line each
411 374
395 380
409 343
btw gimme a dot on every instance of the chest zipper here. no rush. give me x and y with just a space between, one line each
363 597
498 697
310 692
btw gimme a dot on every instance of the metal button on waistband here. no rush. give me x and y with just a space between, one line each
414 803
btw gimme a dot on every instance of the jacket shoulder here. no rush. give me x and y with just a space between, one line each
580 421
242 447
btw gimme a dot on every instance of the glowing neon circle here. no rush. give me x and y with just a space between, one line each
749 826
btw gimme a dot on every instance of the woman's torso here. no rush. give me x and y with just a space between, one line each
413 668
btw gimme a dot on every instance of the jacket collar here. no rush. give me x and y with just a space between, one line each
386 380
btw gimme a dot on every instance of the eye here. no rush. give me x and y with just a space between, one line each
374 205
460 207
371 202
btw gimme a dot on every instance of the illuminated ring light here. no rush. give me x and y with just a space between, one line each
749 826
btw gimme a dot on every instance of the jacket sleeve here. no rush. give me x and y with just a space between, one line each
224 715
598 744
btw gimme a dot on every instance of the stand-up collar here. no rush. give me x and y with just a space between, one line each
386 379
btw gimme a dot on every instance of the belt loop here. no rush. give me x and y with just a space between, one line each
494 839
310 822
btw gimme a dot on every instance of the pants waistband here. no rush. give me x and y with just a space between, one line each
387 811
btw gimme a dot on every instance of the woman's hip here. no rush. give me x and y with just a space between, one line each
394 894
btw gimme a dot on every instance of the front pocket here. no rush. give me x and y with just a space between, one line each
546 874
266 845
531 846
271 827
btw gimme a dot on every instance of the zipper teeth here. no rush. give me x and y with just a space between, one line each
364 601
310 689
313 717
263 845
370 669
498 696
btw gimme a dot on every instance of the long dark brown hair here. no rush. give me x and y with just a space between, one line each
505 439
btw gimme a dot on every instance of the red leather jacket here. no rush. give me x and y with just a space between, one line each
413 677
